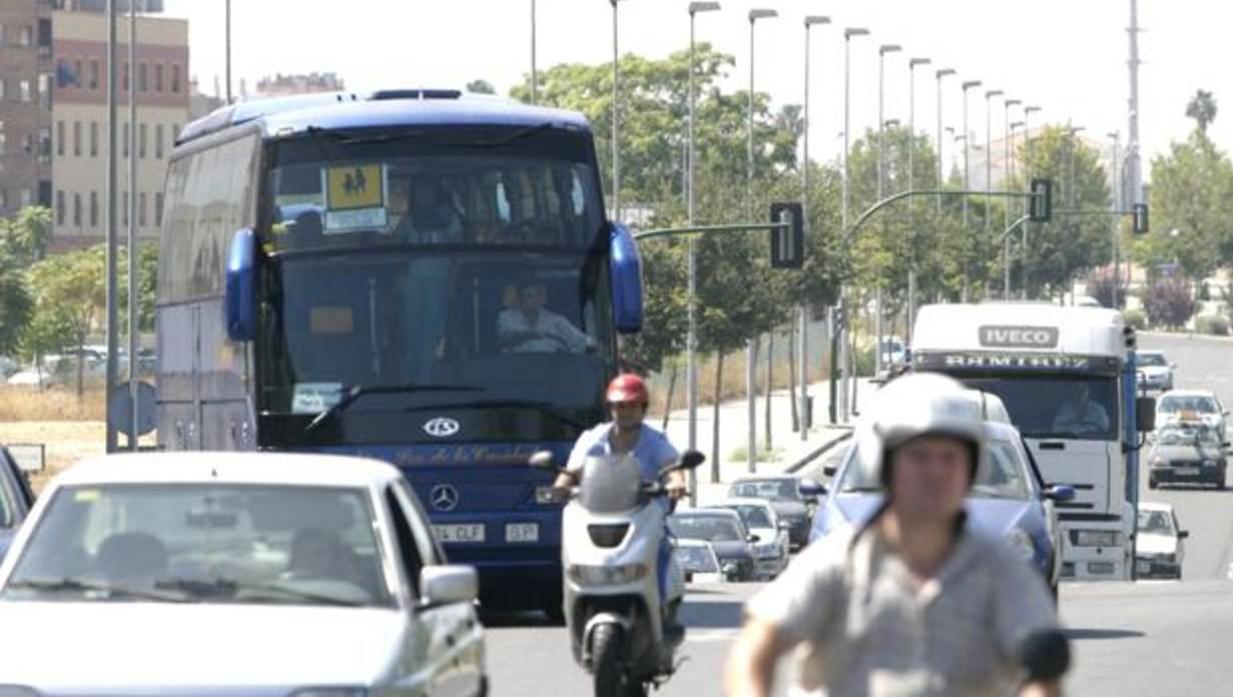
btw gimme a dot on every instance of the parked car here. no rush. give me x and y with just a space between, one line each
1009 499
698 561
1191 405
894 352
1187 452
725 532
16 499
771 551
1159 547
784 491
294 574
1155 370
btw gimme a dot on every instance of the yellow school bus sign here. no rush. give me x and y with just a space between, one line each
354 186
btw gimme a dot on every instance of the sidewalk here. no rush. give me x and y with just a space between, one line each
789 449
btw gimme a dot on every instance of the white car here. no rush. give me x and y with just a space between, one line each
1191 405
1155 371
894 353
235 573
771 549
1159 546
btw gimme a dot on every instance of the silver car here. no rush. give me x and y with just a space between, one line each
235 573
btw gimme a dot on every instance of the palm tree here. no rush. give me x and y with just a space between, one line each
1202 108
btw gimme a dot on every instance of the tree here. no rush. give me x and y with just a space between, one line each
481 87
1101 286
69 293
26 236
1201 108
1169 302
16 305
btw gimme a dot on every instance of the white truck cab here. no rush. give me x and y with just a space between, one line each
1061 373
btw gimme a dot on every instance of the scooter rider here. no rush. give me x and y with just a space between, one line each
914 601
627 400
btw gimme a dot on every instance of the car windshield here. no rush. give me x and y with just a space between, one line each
774 489
1188 434
7 498
1155 521
1150 359
258 544
706 528
1078 408
1173 404
1004 477
753 516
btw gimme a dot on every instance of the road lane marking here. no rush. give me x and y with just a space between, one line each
709 635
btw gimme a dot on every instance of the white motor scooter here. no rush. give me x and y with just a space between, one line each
611 531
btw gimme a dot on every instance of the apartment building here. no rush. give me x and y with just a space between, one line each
25 104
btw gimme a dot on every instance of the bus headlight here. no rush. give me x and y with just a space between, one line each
594 575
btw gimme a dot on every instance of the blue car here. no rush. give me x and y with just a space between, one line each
1010 499
16 499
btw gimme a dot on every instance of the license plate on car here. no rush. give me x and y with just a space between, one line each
1186 471
459 532
1100 567
1143 567
522 532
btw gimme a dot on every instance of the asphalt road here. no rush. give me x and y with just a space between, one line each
1146 638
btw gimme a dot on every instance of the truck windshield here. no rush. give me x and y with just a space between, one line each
1080 407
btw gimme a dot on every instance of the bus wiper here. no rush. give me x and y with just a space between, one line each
73 583
538 405
357 391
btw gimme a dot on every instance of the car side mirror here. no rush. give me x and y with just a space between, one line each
1060 492
784 525
443 585
1145 414
753 538
542 460
829 470
1183 534
240 289
810 487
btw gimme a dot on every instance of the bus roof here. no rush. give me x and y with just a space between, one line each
282 116
1025 328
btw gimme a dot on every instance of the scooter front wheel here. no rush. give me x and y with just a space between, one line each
608 664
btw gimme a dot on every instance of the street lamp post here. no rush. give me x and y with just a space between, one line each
911 313
1013 126
131 240
839 341
534 73
941 174
1023 232
227 31
967 176
1117 188
802 411
750 357
989 95
882 51
692 339
1006 211
616 117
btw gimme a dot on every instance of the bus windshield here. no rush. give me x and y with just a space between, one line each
456 266
1040 406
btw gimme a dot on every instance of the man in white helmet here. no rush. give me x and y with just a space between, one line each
913 602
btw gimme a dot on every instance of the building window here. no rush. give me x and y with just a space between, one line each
175 79
141 209
125 128
76 209
1 34
2 83
26 94
158 208
27 36
94 139
158 141
158 77
94 74
27 144
45 144
76 139
45 91
78 75
125 209
27 198
60 207
141 77
124 74
141 140
60 138
93 209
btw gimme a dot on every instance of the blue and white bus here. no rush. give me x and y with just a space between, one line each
339 274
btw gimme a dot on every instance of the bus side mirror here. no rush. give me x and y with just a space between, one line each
625 268
1145 414
240 294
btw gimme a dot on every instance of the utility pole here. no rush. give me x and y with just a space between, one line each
1134 163
112 175
131 245
911 313
1116 221
803 411
967 183
534 74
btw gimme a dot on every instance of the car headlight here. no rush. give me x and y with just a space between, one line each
336 691
1095 538
1021 542
591 575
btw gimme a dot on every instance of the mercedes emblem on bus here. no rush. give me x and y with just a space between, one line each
443 497
441 427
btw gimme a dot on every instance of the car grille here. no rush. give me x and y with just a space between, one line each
607 536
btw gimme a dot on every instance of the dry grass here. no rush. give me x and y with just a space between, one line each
50 404
733 381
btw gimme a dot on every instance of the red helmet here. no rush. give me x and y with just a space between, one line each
627 387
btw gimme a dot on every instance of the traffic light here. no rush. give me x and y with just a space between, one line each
1040 206
787 243
1141 221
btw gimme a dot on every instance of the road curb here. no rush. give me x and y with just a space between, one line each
800 464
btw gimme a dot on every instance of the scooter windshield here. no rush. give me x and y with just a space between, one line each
610 484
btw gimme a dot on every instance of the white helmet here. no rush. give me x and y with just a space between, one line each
914 405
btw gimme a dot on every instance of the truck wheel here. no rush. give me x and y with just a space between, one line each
608 661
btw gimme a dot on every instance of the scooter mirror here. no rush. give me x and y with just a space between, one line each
542 460
691 459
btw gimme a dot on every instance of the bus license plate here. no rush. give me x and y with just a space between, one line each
522 532
464 532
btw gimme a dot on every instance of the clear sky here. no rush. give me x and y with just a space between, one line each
1067 56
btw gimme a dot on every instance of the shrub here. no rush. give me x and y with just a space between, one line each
1135 318
1169 302
1212 324
1101 287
